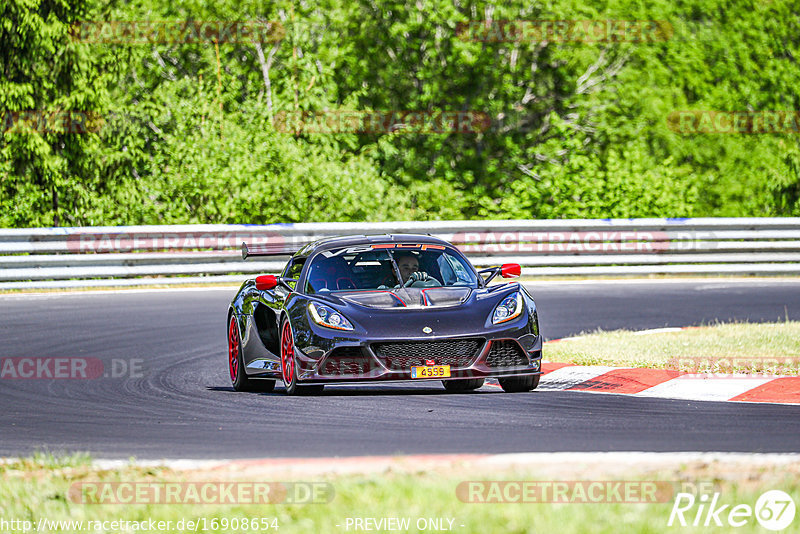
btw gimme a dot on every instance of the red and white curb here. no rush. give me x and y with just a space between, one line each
667 384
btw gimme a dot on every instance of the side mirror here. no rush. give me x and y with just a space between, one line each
510 270
266 282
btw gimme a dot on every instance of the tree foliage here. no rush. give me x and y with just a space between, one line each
191 131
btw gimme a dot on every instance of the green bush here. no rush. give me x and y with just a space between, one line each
577 129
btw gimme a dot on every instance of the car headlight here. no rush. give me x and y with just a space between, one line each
509 308
325 316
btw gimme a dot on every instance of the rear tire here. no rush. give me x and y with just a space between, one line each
289 365
518 384
457 386
239 379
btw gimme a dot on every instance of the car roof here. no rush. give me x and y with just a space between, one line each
329 243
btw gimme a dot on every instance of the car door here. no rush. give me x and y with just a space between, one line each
261 343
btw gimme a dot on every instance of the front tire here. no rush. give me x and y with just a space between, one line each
518 384
458 386
289 365
239 379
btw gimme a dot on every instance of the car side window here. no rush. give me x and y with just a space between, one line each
455 271
293 270
460 270
446 268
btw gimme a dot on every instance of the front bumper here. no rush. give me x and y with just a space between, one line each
327 359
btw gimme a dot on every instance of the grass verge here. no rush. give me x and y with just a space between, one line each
39 488
772 348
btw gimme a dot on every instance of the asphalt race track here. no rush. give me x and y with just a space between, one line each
177 402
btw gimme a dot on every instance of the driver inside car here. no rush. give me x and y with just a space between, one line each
408 264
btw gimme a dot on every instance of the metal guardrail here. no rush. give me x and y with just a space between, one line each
136 255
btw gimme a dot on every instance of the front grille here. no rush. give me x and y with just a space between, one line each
404 355
347 361
506 353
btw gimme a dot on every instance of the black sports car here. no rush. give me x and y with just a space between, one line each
381 308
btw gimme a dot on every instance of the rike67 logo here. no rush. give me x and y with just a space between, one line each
774 510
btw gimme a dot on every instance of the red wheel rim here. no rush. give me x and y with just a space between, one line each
233 350
287 354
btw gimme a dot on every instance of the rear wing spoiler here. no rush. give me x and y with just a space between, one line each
277 249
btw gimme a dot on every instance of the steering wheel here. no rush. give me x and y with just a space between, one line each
421 279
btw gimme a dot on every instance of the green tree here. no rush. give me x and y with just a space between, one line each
46 176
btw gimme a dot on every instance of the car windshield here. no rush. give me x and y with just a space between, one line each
381 267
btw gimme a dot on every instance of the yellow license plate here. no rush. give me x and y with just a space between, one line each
430 371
